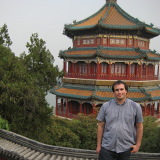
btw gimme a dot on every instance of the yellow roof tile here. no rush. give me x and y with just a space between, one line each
82 52
115 18
74 91
93 20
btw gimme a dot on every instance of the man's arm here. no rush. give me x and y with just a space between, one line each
99 135
139 132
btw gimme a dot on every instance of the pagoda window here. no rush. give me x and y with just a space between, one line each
88 41
118 69
141 44
69 67
78 42
112 41
83 68
98 40
92 41
150 69
84 41
104 40
130 41
93 68
118 41
133 69
104 68
76 67
144 70
74 107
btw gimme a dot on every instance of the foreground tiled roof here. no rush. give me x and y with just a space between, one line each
110 53
17 147
105 94
111 16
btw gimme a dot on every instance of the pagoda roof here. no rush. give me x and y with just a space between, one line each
15 146
111 17
110 53
103 94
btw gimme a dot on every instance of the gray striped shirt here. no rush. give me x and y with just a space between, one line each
120 124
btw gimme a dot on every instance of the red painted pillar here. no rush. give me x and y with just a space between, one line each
64 66
88 71
62 105
94 111
154 70
146 72
98 70
67 108
158 108
56 105
81 107
109 71
153 110
145 110
73 70
129 71
158 72
140 72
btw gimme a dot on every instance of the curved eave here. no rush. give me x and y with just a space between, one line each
101 95
105 26
121 56
104 52
153 56
70 95
155 98
98 20
154 31
154 94
77 56
154 59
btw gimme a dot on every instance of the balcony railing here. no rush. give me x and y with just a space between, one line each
111 77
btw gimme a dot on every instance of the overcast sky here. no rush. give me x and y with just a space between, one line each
48 17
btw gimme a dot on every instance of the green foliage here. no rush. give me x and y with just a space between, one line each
39 63
61 134
4 36
3 124
22 101
85 127
79 133
151 136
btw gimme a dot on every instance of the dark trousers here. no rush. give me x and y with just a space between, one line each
105 154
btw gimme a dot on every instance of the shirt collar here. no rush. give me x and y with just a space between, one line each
122 103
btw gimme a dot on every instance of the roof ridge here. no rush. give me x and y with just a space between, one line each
81 21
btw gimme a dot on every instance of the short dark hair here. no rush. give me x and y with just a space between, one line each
119 82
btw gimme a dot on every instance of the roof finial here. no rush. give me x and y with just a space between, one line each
111 1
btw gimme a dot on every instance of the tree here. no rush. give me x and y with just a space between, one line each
22 102
39 63
61 135
151 136
4 36
3 124
85 127
78 133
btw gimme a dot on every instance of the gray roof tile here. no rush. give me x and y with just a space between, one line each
14 146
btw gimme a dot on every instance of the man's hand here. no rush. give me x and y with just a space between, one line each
135 148
98 149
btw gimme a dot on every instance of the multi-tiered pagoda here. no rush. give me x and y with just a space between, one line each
107 46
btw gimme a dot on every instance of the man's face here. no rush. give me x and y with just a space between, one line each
120 92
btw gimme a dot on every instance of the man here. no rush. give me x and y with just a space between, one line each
120 126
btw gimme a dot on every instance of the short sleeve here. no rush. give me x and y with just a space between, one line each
101 114
139 115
